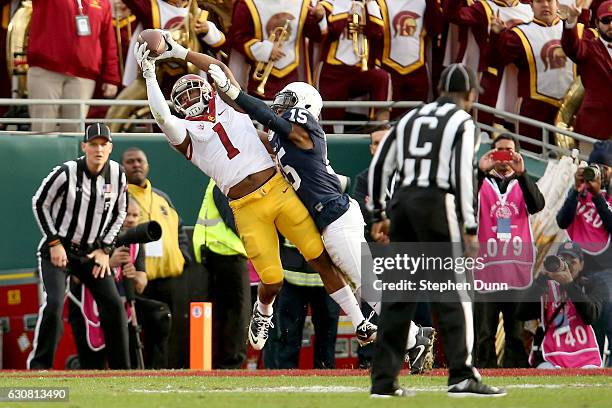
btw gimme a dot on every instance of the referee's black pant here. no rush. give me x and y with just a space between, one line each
49 326
423 215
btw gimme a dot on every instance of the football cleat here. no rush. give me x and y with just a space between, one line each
400 392
420 357
366 331
258 328
472 388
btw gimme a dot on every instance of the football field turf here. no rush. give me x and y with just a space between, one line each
307 388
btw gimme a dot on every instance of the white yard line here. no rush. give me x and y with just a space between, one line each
336 389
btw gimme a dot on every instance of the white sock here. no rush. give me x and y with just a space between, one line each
345 298
264 309
412 333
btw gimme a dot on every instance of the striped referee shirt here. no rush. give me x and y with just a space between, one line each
75 206
432 146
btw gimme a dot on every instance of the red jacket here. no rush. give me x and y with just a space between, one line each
54 44
595 69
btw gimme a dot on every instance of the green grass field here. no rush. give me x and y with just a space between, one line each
305 391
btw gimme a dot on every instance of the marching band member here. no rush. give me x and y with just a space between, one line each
343 74
407 26
270 35
478 17
544 72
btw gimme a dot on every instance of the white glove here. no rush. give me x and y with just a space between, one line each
174 49
222 81
146 64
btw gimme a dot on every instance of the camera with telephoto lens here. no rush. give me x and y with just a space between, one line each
591 172
140 234
554 264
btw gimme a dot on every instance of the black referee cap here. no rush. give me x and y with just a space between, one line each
458 78
97 130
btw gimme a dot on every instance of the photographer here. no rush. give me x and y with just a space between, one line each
507 196
569 305
128 262
587 211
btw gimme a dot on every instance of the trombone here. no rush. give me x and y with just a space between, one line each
263 69
361 47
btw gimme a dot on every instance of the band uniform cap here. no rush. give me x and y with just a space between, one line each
97 130
570 248
459 78
604 9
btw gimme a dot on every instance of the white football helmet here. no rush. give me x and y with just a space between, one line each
191 94
300 95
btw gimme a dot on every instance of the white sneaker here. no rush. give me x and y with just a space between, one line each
366 331
258 328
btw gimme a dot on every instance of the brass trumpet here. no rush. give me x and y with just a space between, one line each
17 49
361 48
570 103
263 69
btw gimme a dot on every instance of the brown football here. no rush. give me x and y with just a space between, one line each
156 44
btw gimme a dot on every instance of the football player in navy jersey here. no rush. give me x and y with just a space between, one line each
300 145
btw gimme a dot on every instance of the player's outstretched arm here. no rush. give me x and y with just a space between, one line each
202 61
255 108
173 129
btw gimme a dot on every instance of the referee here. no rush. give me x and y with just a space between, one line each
432 147
80 207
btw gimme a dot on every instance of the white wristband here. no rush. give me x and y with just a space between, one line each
181 52
233 92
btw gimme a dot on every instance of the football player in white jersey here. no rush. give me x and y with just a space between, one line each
224 144
300 145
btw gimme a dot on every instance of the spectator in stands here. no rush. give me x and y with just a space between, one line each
170 15
165 258
217 246
587 211
252 25
302 289
479 17
569 305
124 26
592 54
506 198
544 72
408 28
68 56
6 9
342 73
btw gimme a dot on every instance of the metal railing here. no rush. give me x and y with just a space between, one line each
546 143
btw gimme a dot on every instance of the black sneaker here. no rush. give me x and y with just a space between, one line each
420 356
400 392
258 328
472 388
366 331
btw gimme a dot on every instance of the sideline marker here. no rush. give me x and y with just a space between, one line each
200 336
